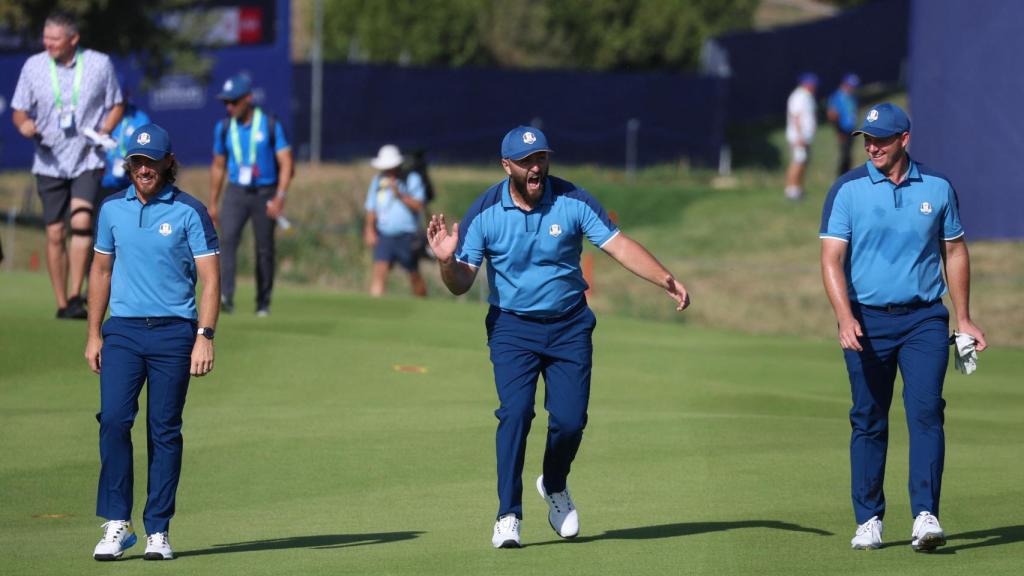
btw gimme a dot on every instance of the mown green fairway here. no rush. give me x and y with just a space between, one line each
309 452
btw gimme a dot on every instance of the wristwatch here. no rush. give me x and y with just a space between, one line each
206 332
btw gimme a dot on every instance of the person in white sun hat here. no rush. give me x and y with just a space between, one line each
393 207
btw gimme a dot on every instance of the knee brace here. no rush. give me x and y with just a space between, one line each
81 231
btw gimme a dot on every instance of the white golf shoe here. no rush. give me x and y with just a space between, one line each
868 536
118 536
562 513
927 535
506 532
158 547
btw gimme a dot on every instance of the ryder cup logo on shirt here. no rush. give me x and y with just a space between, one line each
873 115
555 230
926 208
143 138
165 229
529 137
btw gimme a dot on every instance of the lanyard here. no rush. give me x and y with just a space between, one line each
236 143
58 100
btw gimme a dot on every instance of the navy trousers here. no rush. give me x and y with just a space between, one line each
914 340
138 350
521 350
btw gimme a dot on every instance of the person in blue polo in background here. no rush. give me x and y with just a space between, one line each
530 227
153 241
250 148
889 229
115 178
393 206
842 113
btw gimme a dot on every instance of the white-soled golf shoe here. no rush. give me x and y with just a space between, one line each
562 515
506 532
118 536
158 547
927 534
868 536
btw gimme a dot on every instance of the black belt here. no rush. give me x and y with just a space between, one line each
900 308
552 319
252 188
153 321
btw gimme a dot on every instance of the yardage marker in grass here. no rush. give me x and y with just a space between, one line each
413 369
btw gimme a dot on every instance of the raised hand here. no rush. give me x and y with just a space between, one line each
442 242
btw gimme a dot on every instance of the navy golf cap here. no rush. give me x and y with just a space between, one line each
235 87
150 141
522 141
884 120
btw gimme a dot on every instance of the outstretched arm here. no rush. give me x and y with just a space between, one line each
457 276
635 258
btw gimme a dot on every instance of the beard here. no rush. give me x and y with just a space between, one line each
523 181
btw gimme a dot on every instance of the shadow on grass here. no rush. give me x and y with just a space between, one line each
985 538
692 529
321 542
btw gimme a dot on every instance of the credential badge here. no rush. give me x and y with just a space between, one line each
165 229
873 115
555 230
529 137
926 208
143 138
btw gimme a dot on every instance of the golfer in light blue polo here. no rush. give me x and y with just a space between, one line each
889 230
153 242
529 228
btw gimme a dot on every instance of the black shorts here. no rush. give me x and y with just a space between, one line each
56 193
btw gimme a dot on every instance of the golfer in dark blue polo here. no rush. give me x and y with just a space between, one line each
889 230
530 227
152 243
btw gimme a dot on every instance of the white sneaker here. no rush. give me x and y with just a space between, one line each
158 547
927 535
118 536
562 513
868 536
506 532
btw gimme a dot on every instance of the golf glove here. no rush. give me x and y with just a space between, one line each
966 359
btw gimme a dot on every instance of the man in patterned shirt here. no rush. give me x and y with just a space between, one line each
63 94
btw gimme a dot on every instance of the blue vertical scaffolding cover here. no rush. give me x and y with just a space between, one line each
966 106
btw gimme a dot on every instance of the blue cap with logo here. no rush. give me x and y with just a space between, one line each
235 87
851 80
522 141
884 120
150 141
808 78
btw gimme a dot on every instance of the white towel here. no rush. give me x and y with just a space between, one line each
966 359
101 140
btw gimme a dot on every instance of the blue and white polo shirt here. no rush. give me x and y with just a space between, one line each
895 233
155 245
533 257
265 167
